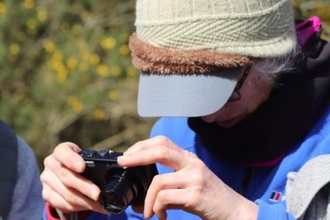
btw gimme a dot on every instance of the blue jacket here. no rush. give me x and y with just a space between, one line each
266 186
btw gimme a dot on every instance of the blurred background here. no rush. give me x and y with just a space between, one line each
66 74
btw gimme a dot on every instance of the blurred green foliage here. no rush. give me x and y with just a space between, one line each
66 73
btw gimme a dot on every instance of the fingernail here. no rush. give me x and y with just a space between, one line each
95 194
80 167
121 159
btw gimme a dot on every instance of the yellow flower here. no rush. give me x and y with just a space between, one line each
42 14
95 59
124 50
14 48
49 46
102 70
58 55
77 106
62 75
28 4
75 103
99 114
31 23
113 95
115 70
108 43
54 64
71 63
2 8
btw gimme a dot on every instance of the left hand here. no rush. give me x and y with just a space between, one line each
191 187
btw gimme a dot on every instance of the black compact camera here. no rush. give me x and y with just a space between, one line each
120 186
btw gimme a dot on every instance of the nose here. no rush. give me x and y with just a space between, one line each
209 118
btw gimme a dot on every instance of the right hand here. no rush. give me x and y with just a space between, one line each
63 186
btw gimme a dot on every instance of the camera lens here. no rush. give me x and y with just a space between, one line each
118 192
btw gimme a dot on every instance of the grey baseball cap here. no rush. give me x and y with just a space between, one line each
185 95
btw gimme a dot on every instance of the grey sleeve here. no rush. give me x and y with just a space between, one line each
308 190
27 201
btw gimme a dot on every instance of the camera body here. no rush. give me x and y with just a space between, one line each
120 186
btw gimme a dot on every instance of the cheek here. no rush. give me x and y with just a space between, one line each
230 115
258 98
230 110
255 96
249 103
240 109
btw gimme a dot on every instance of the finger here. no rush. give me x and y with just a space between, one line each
58 202
65 206
65 198
161 151
74 180
169 199
51 188
67 154
55 174
141 145
151 142
162 214
160 182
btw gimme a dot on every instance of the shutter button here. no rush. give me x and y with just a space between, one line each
103 152
89 153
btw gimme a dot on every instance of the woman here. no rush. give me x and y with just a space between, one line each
243 96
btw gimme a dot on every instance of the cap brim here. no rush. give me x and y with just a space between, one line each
190 95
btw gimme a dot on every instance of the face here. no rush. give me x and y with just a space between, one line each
254 91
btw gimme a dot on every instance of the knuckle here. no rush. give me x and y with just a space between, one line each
45 194
193 196
162 140
70 198
161 151
162 197
63 147
190 154
69 208
43 177
198 179
58 148
158 181
47 161
139 143
64 176
199 165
